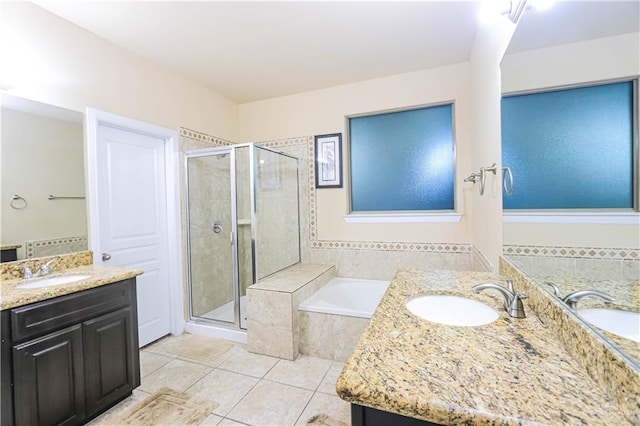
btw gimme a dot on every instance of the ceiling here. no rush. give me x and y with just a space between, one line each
249 51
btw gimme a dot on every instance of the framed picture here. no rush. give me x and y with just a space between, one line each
328 158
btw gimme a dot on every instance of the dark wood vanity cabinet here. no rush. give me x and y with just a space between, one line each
367 416
66 360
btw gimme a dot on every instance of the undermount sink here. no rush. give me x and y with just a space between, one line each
621 323
452 310
58 280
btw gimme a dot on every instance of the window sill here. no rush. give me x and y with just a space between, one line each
403 218
620 218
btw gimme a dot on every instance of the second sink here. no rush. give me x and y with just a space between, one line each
452 310
621 323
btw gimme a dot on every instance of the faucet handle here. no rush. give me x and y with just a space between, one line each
27 272
510 286
516 307
45 268
556 290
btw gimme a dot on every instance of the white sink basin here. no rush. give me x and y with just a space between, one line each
61 279
621 323
452 310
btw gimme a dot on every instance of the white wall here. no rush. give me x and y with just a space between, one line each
324 111
41 156
590 61
489 46
50 60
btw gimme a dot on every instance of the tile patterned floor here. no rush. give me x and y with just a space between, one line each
250 389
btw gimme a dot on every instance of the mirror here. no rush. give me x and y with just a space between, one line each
598 43
43 190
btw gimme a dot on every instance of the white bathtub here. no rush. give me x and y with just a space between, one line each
353 297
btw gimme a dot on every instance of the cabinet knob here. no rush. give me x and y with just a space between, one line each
105 257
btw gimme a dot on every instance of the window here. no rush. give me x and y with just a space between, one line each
571 148
402 161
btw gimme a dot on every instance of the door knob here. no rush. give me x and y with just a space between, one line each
105 257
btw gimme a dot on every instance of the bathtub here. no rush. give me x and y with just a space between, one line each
353 297
333 318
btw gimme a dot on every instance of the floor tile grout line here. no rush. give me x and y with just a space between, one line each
240 400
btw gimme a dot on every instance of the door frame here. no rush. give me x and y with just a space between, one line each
93 119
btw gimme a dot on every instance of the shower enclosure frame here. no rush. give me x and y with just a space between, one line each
231 151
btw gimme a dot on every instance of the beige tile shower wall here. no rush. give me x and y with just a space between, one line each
299 148
277 213
211 260
191 140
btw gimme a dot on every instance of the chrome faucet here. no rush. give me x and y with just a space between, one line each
512 300
572 299
44 269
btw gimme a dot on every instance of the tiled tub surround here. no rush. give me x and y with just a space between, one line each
512 371
333 318
604 363
272 308
329 336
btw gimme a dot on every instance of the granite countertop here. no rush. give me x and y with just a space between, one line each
11 297
9 246
512 371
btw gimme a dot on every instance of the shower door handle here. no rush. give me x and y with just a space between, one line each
231 237
217 228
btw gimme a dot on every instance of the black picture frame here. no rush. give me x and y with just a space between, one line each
328 160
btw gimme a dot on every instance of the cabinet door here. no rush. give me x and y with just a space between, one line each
48 379
111 359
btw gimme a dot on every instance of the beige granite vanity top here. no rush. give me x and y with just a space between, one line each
9 246
512 371
11 297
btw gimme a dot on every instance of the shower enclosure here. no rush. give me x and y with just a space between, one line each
242 225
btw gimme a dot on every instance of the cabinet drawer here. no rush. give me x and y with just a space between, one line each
47 316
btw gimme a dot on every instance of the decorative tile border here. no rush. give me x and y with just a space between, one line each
393 246
281 143
32 248
203 137
572 252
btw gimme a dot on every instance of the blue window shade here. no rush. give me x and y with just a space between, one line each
402 160
570 149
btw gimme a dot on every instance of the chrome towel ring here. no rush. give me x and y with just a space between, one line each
17 202
507 180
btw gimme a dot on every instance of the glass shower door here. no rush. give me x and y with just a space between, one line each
211 220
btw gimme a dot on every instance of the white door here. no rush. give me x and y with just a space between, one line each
132 219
